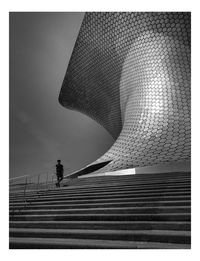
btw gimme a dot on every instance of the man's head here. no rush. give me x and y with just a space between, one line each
58 161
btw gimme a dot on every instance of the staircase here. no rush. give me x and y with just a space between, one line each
133 211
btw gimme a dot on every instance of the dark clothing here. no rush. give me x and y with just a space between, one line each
59 173
59 170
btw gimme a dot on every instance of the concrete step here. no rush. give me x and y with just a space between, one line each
115 184
102 192
99 196
109 195
99 184
100 200
167 236
125 225
34 205
106 217
68 190
71 243
112 210
133 179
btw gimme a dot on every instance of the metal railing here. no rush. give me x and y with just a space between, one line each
30 187
27 188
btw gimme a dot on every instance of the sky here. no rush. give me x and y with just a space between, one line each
41 130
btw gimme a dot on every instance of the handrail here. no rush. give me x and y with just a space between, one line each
36 184
26 183
41 183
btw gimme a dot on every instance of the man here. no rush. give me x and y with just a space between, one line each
59 172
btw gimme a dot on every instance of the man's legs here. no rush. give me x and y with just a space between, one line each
58 183
59 178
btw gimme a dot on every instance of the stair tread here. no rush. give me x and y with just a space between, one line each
102 231
91 243
118 188
109 208
115 200
104 214
108 197
97 222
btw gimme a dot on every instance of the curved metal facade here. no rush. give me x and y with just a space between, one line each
131 73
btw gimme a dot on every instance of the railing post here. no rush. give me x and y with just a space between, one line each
30 179
52 182
38 182
25 190
47 181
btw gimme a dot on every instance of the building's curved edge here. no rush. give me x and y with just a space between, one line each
101 123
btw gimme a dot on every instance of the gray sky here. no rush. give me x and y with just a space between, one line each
41 130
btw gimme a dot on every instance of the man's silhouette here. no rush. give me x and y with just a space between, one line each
59 172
